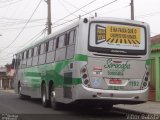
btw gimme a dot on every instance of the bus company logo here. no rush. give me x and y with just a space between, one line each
116 67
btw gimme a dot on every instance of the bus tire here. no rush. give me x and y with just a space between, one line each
45 102
54 104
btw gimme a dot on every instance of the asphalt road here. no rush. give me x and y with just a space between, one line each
11 107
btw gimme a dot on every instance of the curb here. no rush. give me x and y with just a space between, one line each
8 90
129 111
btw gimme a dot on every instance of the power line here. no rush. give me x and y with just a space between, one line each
6 1
36 37
111 11
78 17
65 7
100 7
33 26
67 2
20 21
148 14
12 21
74 11
23 27
13 28
25 44
10 4
85 14
6 18
28 27
18 24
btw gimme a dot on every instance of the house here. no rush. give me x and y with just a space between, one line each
6 77
10 71
155 69
4 81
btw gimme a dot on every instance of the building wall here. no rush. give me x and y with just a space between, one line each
155 70
5 80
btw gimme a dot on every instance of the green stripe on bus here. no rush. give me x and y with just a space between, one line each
47 72
59 66
148 62
80 57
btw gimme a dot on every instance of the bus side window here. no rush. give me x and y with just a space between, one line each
51 51
50 46
39 48
17 64
42 55
66 39
57 42
54 44
42 48
71 37
20 60
35 51
47 46
61 42
71 46
24 56
27 52
60 48
35 56
29 60
30 53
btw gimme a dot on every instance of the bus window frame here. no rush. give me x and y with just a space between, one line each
42 53
35 51
61 47
113 50
71 44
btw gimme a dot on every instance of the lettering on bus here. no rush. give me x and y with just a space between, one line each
134 83
123 35
100 34
116 67
118 35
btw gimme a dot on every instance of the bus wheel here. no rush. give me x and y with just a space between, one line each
45 102
54 104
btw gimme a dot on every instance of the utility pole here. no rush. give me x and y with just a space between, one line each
132 10
49 23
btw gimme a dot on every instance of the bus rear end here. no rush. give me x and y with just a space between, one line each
116 70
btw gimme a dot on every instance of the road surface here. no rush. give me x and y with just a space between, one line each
13 108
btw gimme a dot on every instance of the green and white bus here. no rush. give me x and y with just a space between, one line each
97 61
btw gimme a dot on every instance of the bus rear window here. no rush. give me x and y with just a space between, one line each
117 38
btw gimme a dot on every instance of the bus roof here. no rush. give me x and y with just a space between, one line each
76 23
51 35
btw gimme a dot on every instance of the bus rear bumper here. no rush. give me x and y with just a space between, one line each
115 96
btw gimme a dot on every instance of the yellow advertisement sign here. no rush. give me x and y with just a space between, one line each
100 34
123 35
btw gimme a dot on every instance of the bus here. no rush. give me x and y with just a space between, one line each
93 61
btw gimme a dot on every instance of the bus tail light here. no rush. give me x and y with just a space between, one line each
145 81
84 77
115 81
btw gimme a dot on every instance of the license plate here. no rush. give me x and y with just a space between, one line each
116 87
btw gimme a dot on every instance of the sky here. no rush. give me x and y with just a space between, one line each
23 22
